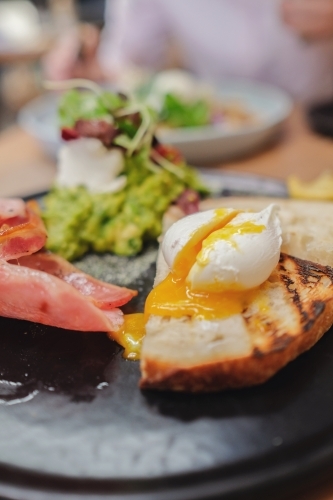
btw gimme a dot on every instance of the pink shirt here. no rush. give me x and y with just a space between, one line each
219 38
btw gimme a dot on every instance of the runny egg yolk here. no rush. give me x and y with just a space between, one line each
187 256
174 297
130 335
226 234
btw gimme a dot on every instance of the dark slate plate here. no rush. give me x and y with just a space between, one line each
74 425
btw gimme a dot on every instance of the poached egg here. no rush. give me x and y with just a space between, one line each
217 259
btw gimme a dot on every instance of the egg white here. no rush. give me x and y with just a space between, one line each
182 231
246 261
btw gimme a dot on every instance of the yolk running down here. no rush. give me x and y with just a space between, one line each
130 336
173 296
189 252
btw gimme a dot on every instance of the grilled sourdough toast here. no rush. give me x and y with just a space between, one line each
286 316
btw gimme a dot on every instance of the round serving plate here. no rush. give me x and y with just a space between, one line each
74 425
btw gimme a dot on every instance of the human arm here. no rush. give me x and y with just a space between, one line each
135 33
73 55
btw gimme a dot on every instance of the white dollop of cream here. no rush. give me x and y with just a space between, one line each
87 162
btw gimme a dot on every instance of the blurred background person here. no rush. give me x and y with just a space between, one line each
32 30
288 43
78 24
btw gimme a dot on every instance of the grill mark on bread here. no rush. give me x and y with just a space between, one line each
257 353
294 296
311 274
318 308
308 269
280 342
304 272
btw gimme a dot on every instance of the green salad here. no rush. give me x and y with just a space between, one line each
176 112
79 220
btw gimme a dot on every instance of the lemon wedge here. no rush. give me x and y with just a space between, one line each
320 188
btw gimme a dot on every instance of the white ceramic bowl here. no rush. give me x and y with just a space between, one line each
200 145
215 143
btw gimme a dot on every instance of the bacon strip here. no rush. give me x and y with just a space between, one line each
23 233
45 288
42 298
103 295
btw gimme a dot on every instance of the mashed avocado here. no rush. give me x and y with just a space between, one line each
79 221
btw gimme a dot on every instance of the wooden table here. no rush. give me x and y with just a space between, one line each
25 169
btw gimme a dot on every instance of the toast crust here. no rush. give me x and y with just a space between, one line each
276 335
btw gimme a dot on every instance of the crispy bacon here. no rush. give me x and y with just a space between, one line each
104 295
22 234
98 129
